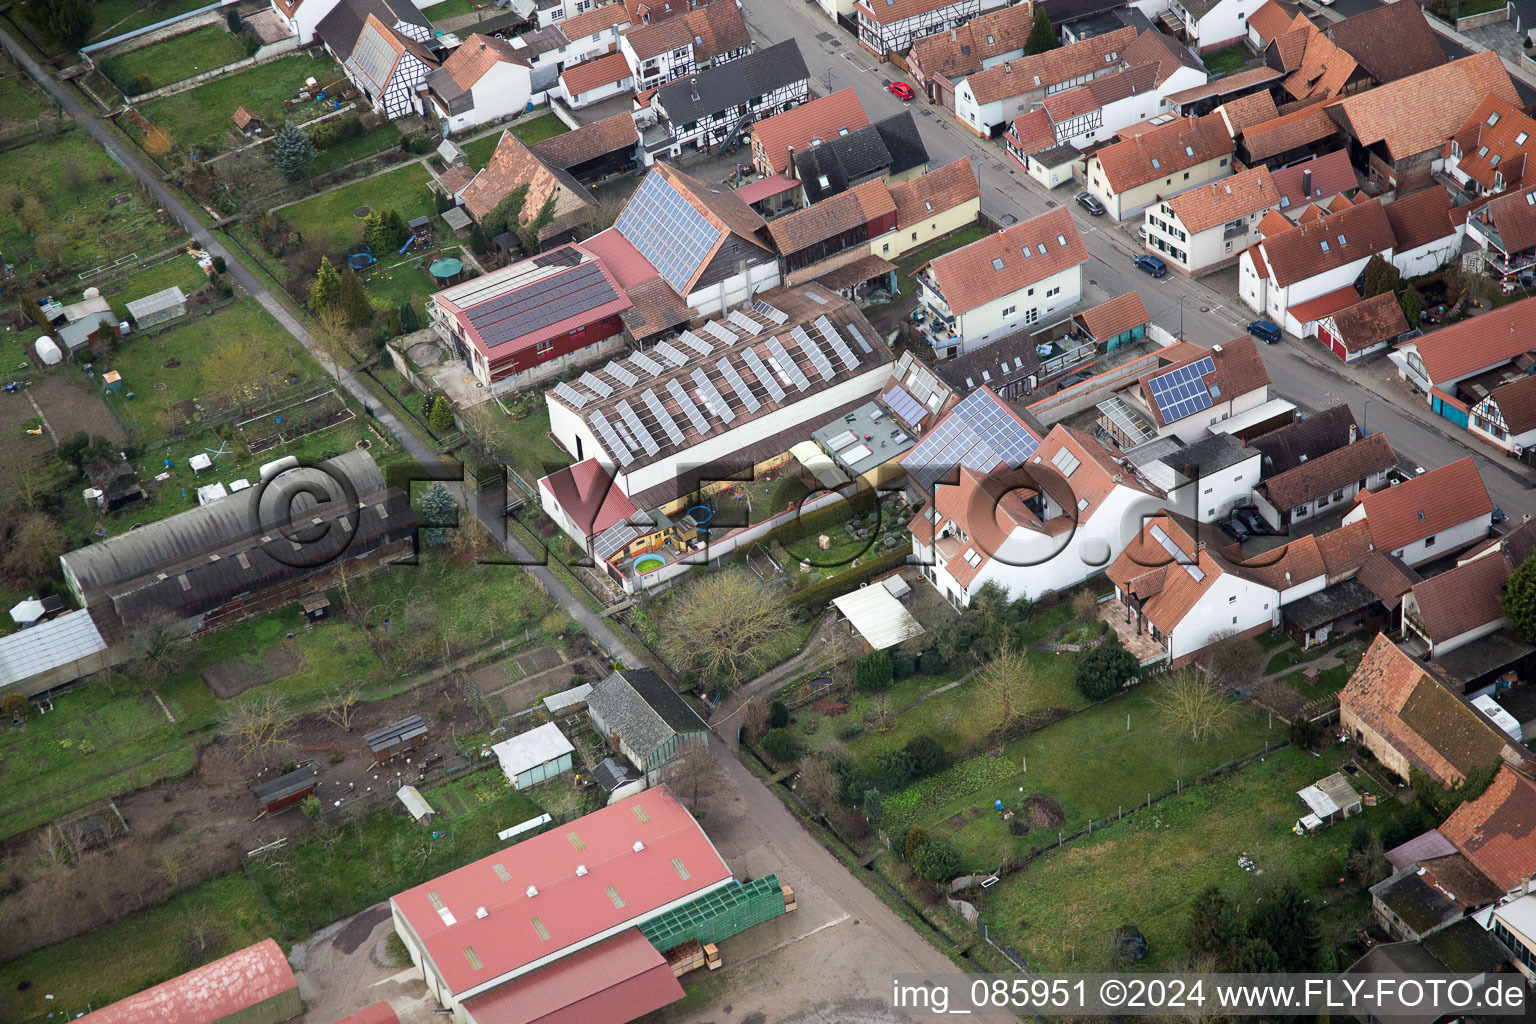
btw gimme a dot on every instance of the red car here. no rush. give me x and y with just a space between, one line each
901 90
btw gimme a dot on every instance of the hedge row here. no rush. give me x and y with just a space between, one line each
818 594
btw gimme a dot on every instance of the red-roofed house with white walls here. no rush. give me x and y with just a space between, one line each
1429 516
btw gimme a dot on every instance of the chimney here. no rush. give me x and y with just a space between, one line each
693 87
1306 182
1354 433
1007 67
789 162
481 912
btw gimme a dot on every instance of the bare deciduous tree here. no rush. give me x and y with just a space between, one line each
755 714
1193 708
818 783
24 474
255 722
1003 686
690 768
880 708
724 626
1231 661
339 704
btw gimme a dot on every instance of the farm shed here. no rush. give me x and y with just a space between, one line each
53 653
1328 800
568 701
877 617
253 985
618 778
535 756
415 802
396 738
287 790
157 308
643 718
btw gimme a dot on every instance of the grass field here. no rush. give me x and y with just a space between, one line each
1062 911
181 271
171 60
449 9
376 141
545 126
402 280
329 218
193 117
20 98
75 182
1226 61
115 17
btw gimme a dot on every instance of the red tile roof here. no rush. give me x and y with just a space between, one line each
511 165
613 982
898 10
1145 569
1430 504
1324 305
1242 114
1495 831
1033 132
1387 576
1513 218
1288 131
592 22
1328 175
588 142
1421 218
1324 71
1227 86
571 909
1461 599
1503 147
1147 152
588 495
1517 404
477 55
1345 550
1225 200
710 30
1421 112
378 1013
823 118
1273 19
831 217
1369 322
594 74
1472 345
1238 370
1340 468
942 188
995 266
1043 70
960 51
1389 42
1356 233
212 992
1118 315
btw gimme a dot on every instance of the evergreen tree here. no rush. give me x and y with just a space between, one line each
873 671
1412 305
1215 925
64 21
1379 277
477 241
873 805
937 860
1519 600
232 20
396 228
437 512
1286 921
327 287
354 300
375 233
1103 671
440 418
409 321
292 152
1255 956
1042 35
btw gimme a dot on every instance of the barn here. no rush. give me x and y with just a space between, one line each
253 985
643 718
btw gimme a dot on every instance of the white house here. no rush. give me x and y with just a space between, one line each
1507 417
586 37
484 80
720 104
1155 68
1188 396
987 101
890 26
387 63
1326 483
1312 259
1211 225
1205 480
1514 924
1002 283
593 81
1157 160
1492 151
1428 516
1451 610
1045 526
703 37
1031 142
1212 24
1426 232
303 17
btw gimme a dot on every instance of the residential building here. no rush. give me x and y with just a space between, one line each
579 39
847 221
700 38
1505 229
1507 417
1329 482
1153 67
513 165
595 151
1493 831
1213 24
777 139
1410 715
930 206
1317 435
1003 282
890 26
1514 924
1316 70
1426 231
890 149
572 923
503 327
1244 91
386 58
253 985
1316 258
483 80
1428 897
1123 320
592 81
644 719
939 61
1301 134
1387 43
1489 152
987 101
1458 366
1458 606
303 17
718 105
1031 141
1154 162
1428 516
1210 226
1196 389
1397 130
1363 328
1314 181
1010 367
1044 526
1273 19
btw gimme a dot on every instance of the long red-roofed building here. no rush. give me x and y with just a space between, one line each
253 985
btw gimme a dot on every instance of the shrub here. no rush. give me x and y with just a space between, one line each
335 130
872 804
916 836
848 730
778 715
143 83
780 744
937 861
219 266
1103 671
872 672
902 665
893 769
926 754
311 807
1304 733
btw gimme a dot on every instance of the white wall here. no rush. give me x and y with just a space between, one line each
1219 492
1265 297
597 95
1445 541
1132 201
1231 604
735 290
502 91
1226 22
1431 256
987 322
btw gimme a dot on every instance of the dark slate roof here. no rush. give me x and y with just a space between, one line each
1420 905
733 84
892 146
341 28
986 365
1210 454
1489 654
1466 947
640 706
1316 435
613 772
1064 12
1329 605
902 141
286 785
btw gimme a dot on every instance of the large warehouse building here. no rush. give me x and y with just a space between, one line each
571 926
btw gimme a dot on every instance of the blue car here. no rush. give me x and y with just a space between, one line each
1267 330
1151 264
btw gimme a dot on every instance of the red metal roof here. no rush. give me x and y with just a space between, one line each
772 185
378 1013
571 909
588 495
614 981
208 993
622 260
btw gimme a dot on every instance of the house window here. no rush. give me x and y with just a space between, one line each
886 247
1232 599
1429 541
1010 311
543 349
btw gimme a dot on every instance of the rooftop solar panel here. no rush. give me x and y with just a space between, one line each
839 346
1158 534
670 354
721 332
662 417
909 409
764 375
632 420
738 385
621 375
712 397
696 343
781 356
611 438
596 385
668 231
979 433
538 304
744 323
647 364
818 358
700 425
570 394
858 336
1181 391
778 316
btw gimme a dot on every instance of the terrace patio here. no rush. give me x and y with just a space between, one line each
1142 645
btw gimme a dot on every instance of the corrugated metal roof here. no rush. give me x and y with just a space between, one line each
48 645
415 802
880 619
167 298
565 698
614 981
531 749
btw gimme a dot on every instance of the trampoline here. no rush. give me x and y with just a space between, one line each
361 260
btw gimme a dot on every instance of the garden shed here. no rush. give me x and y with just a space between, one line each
618 778
568 702
535 756
876 616
643 718
415 802
1329 800
287 790
396 738
158 307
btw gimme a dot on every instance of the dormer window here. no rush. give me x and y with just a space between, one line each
1520 139
1493 119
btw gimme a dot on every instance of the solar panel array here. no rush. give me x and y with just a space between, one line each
858 336
721 332
700 424
648 364
764 375
834 339
570 394
670 354
621 375
817 356
744 322
659 411
777 316
696 343
776 349
733 378
533 307
1195 572
909 409
712 397
1181 392
611 438
673 236
637 428
596 385
980 433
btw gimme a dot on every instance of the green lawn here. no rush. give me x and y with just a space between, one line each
20 98
376 141
171 60
193 117
75 183
181 270
478 153
449 9
127 956
399 279
912 260
545 126
115 17
1062 911
330 218
1228 60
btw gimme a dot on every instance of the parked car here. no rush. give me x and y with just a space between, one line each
1070 381
1090 202
1151 264
1266 330
901 90
1250 518
1141 234
1235 529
